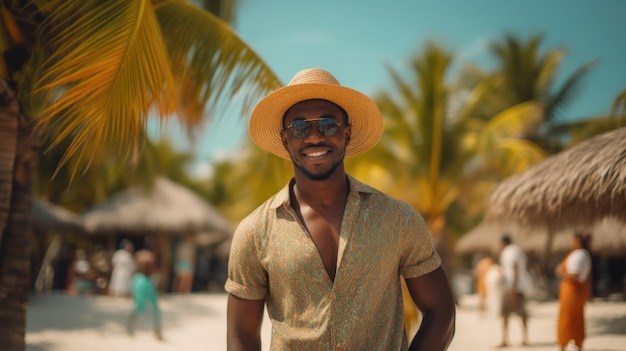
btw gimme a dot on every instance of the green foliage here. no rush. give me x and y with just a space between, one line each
92 72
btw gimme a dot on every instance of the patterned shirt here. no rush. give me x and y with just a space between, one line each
381 239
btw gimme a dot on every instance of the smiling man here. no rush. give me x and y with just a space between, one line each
327 253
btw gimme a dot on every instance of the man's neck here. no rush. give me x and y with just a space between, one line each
323 193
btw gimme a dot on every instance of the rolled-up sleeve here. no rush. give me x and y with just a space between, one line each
247 279
420 256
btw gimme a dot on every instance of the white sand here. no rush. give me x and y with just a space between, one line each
57 322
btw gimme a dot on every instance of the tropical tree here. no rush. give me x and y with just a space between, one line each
436 146
90 74
438 151
109 175
583 129
525 73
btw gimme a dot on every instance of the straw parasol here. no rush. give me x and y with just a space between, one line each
576 187
167 207
47 216
609 238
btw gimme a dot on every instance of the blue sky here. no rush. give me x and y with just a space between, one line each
356 39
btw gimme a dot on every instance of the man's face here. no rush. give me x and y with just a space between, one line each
314 154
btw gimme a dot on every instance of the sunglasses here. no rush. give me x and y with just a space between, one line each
327 126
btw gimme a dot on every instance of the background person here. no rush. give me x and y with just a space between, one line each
123 264
493 287
144 293
184 266
480 275
82 276
574 291
327 253
513 269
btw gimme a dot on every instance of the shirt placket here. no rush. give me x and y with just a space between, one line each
351 213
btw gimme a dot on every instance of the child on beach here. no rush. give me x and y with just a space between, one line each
144 292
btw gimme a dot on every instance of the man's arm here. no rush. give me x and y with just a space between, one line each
432 295
244 319
516 277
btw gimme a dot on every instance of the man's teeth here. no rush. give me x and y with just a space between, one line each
316 154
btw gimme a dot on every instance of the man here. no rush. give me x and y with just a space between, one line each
513 266
326 254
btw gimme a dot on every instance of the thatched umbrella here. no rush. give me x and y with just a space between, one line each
486 238
167 207
609 238
576 187
47 216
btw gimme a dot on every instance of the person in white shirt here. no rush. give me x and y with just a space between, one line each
123 264
513 270
574 291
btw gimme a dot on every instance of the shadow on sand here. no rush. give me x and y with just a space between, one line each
615 325
65 312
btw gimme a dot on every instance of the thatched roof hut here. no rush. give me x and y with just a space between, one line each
164 214
609 238
576 187
47 217
167 207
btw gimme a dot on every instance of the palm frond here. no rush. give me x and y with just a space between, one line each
210 63
548 70
568 90
520 154
515 121
619 104
108 68
224 9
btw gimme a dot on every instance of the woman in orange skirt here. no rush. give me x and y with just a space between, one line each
574 291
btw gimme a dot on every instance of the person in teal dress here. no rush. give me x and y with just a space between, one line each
144 293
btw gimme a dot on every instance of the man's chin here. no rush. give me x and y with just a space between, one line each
317 174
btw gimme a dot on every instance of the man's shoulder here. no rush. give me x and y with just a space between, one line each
378 196
513 253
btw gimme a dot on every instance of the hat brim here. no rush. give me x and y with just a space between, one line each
265 122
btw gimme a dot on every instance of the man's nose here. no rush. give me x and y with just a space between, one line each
314 134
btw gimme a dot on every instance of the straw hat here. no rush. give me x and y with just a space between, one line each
266 119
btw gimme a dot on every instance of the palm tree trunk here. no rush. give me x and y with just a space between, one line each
18 154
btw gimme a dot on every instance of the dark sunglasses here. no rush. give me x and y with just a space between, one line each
327 126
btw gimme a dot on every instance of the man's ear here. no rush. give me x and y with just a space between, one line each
283 138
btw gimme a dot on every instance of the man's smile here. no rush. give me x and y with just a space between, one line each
315 153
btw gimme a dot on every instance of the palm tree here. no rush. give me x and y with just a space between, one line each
434 150
580 130
431 154
109 175
525 74
90 74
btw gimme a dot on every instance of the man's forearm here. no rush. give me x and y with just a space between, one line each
435 332
238 344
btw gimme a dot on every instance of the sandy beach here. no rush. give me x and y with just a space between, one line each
196 322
